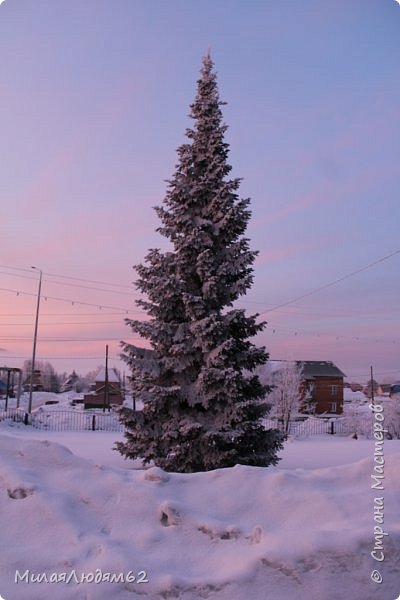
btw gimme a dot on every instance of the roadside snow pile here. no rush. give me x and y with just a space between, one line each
357 397
238 533
38 399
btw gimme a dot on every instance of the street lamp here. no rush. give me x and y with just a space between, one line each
34 340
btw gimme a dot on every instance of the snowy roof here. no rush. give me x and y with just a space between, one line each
311 368
320 368
275 365
112 375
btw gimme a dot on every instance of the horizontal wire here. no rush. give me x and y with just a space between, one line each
42 324
326 285
274 308
70 301
74 314
63 339
68 277
86 287
68 357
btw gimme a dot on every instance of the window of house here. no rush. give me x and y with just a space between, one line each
332 407
334 390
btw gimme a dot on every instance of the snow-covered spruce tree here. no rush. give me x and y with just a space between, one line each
202 402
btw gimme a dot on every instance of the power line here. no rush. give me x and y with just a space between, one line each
337 336
96 314
64 339
21 276
128 311
376 373
63 323
87 287
352 311
326 285
70 301
15 268
89 280
68 277
67 357
271 328
274 308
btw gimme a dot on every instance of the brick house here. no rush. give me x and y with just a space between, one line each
103 397
324 380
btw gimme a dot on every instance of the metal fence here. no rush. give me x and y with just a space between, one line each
96 420
12 414
65 420
320 426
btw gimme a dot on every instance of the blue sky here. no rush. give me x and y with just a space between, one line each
94 103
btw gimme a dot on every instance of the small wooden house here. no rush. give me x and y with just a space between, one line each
71 383
37 385
324 381
107 392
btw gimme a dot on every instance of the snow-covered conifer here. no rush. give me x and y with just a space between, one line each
202 402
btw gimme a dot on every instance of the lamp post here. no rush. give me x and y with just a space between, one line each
34 340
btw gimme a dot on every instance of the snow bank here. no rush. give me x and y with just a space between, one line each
244 532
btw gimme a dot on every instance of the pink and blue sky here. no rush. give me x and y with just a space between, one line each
93 104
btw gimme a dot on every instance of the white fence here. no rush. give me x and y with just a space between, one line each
336 426
96 420
65 420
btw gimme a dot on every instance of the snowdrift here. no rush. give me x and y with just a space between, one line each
238 533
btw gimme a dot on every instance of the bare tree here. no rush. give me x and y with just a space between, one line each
392 416
287 396
50 380
308 402
352 419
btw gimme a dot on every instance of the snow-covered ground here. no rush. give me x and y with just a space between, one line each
38 399
70 506
63 401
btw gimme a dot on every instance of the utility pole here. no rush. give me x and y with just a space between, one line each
372 389
19 386
106 384
34 340
8 388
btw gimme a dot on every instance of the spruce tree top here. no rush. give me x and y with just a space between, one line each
202 215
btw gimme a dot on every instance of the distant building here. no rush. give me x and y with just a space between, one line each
372 387
106 393
10 384
386 387
321 388
324 382
71 383
395 390
353 386
37 385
